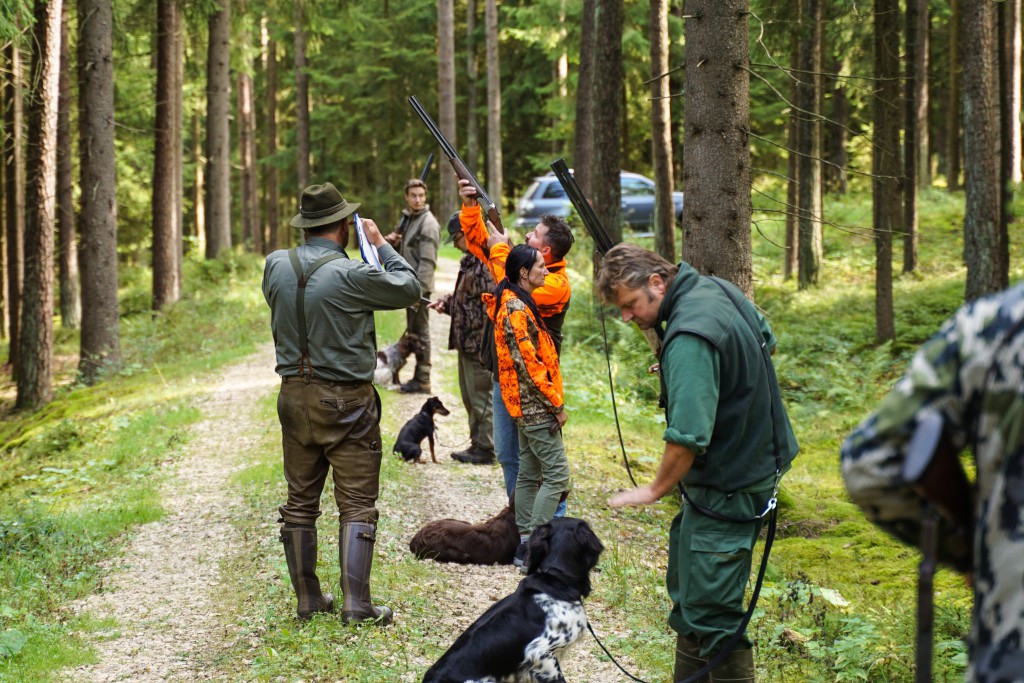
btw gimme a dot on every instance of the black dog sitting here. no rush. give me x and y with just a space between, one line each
452 540
525 635
420 427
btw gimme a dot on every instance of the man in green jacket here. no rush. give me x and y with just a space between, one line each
728 439
322 305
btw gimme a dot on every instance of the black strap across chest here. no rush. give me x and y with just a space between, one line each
303 276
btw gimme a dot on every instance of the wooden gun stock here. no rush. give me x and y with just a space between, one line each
461 170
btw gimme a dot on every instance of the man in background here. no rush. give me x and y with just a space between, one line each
466 336
417 237
321 314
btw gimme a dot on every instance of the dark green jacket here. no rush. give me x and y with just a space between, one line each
339 303
741 448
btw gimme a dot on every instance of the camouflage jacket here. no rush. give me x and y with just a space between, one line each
467 310
971 373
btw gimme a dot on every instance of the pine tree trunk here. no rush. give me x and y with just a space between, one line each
716 156
661 136
885 160
218 134
100 341
444 201
583 143
14 191
953 111
301 100
495 177
912 134
809 145
608 86
472 75
199 195
1006 125
272 211
67 261
982 248
922 96
35 352
1013 84
166 286
791 259
835 132
251 228
178 107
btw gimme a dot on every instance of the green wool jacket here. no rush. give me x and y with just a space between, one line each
740 450
340 299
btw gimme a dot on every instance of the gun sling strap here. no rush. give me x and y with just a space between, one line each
305 365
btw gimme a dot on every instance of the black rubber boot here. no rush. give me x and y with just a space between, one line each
356 552
299 542
738 667
688 660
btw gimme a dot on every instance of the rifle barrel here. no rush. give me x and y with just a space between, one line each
446 147
590 220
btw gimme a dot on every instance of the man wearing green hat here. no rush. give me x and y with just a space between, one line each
321 314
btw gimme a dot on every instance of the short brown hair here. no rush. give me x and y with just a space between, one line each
630 266
559 237
414 182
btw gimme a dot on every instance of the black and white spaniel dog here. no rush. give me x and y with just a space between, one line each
522 638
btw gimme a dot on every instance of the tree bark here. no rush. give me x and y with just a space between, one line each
1013 84
35 352
608 87
178 109
272 211
472 123
199 196
913 131
809 236
922 96
982 246
1007 123
444 201
791 259
14 190
716 155
67 261
166 285
218 134
301 99
885 160
661 136
954 111
495 177
583 144
100 341
251 226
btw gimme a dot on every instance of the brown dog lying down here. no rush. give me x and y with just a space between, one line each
450 540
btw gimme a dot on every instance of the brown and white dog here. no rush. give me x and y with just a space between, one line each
523 636
452 540
391 359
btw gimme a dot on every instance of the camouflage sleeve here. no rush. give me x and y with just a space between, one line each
872 457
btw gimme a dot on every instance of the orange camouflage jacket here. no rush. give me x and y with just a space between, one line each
528 370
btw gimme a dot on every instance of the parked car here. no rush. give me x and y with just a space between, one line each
546 195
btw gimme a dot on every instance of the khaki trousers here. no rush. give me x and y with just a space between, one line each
330 426
475 386
417 322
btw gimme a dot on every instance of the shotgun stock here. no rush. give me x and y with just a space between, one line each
461 170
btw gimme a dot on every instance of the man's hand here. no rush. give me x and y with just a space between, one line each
641 495
562 417
393 238
468 193
498 238
373 235
441 305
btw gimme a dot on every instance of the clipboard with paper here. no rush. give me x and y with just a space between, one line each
367 251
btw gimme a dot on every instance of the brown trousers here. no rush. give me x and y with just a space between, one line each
336 426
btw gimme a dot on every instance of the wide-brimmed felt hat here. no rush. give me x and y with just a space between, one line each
454 228
322 205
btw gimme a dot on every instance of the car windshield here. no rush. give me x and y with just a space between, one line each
554 190
634 187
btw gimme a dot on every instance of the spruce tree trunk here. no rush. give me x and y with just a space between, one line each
495 176
67 239
35 352
444 201
472 125
14 191
1013 84
249 192
921 96
954 110
301 100
885 160
178 109
272 211
791 259
982 245
661 136
716 156
809 145
199 195
583 142
218 134
166 286
912 134
607 93
100 340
